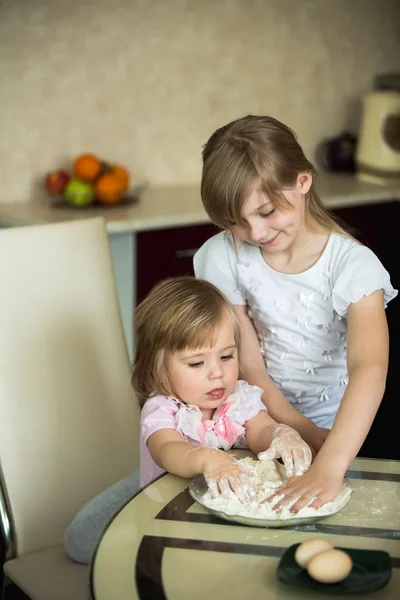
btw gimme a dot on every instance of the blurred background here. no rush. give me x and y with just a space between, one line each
147 81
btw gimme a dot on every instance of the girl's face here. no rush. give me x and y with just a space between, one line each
206 376
271 229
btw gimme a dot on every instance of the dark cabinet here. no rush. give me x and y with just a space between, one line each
167 253
374 225
377 226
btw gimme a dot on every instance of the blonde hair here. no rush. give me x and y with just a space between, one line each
256 152
178 313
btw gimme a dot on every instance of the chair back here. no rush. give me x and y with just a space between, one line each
69 420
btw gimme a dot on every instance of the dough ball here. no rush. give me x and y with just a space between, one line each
310 548
330 566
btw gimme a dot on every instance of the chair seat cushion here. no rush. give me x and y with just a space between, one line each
49 575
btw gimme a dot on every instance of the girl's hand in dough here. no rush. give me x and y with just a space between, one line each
291 448
224 474
314 489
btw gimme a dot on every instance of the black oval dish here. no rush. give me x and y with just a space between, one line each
371 571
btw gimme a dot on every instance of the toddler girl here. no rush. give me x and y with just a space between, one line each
193 405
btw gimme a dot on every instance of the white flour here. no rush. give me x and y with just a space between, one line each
266 477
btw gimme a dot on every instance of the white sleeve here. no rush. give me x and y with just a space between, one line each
359 273
216 263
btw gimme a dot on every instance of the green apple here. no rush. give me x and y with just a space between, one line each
79 193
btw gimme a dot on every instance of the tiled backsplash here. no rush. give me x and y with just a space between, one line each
145 82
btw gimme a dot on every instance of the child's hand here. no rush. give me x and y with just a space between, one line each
223 474
291 448
319 484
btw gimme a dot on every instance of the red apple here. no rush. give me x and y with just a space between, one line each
56 181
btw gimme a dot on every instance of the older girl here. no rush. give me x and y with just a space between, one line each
310 299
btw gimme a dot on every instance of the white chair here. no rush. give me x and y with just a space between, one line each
68 418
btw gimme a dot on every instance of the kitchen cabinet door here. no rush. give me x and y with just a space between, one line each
376 226
167 253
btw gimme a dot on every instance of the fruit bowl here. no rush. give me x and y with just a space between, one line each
91 183
131 196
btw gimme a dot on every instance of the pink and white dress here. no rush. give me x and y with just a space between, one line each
225 430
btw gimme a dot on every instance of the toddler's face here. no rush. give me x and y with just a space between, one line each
206 376
271 229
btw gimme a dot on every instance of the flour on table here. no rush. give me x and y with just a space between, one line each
265 477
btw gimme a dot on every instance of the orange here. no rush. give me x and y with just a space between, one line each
109 189
121 173
87 167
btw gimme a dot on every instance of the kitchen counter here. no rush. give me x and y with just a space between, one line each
161 207
171 207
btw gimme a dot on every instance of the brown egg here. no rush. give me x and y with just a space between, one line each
330 566
307 550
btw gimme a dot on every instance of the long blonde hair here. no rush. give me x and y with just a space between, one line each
178 313
256 152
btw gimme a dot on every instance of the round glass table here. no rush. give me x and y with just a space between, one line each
163 545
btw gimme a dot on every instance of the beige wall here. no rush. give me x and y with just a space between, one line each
145 82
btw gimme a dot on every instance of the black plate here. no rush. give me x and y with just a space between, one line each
371 571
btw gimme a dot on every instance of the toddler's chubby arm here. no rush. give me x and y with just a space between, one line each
269 440
222 472
253 370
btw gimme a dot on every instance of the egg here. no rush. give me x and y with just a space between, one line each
305 552
330 566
